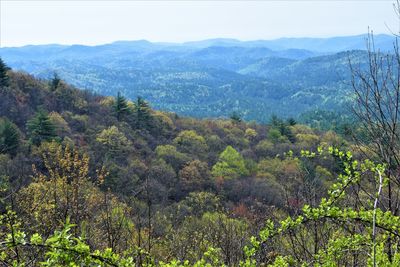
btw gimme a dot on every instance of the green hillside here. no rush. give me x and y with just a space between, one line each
282 161
210 80
67 153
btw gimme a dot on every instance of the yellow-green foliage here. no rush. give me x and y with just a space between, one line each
113 141
189 141
230 165
250 133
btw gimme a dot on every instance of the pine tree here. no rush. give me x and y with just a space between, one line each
283 127
9 137
275 121
41 128
142 114
121 106
291 121
235 117
55 82
4 80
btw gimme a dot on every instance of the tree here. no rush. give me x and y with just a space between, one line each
4 79
161 181
235 117
376 88
194 176
173 157
9 137
198 203
142 114
62 248
250 134
114 141
265 148
41 128
163 125
283 127
291 121
121 106
213 229
276 137
346 227
275 121
230 165
64 191
190 142
55 82
61 126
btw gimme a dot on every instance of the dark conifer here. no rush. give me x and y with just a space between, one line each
9 137
235 117
55 82
40 128
142 114
121 106
4 79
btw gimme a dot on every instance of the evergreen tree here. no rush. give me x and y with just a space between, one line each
285 130
283 127
275 121
55 82
235 117
121 106
4 80
41 128
291 121
142 114
9 137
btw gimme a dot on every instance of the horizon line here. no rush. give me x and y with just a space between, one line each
196 41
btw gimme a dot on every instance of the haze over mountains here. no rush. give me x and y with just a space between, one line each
210 78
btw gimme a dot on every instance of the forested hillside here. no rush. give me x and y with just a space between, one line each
89 180
211 78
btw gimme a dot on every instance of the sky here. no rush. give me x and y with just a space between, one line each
97 22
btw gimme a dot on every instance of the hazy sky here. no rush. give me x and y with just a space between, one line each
96 22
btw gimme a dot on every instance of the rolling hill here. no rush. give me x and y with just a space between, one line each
210 78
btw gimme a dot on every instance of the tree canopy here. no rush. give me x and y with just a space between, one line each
9 137
40 128
230 165
4 79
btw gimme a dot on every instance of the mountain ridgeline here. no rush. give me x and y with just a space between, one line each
211 78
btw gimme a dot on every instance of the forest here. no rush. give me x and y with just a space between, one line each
211 78
91 180
173 157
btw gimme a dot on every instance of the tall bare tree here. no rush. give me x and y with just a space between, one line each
376 88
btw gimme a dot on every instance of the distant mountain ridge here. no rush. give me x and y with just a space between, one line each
210 78
321 44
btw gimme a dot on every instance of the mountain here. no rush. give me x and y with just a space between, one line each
211 78
383 42
91 180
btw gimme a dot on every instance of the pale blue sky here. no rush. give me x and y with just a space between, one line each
96 22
